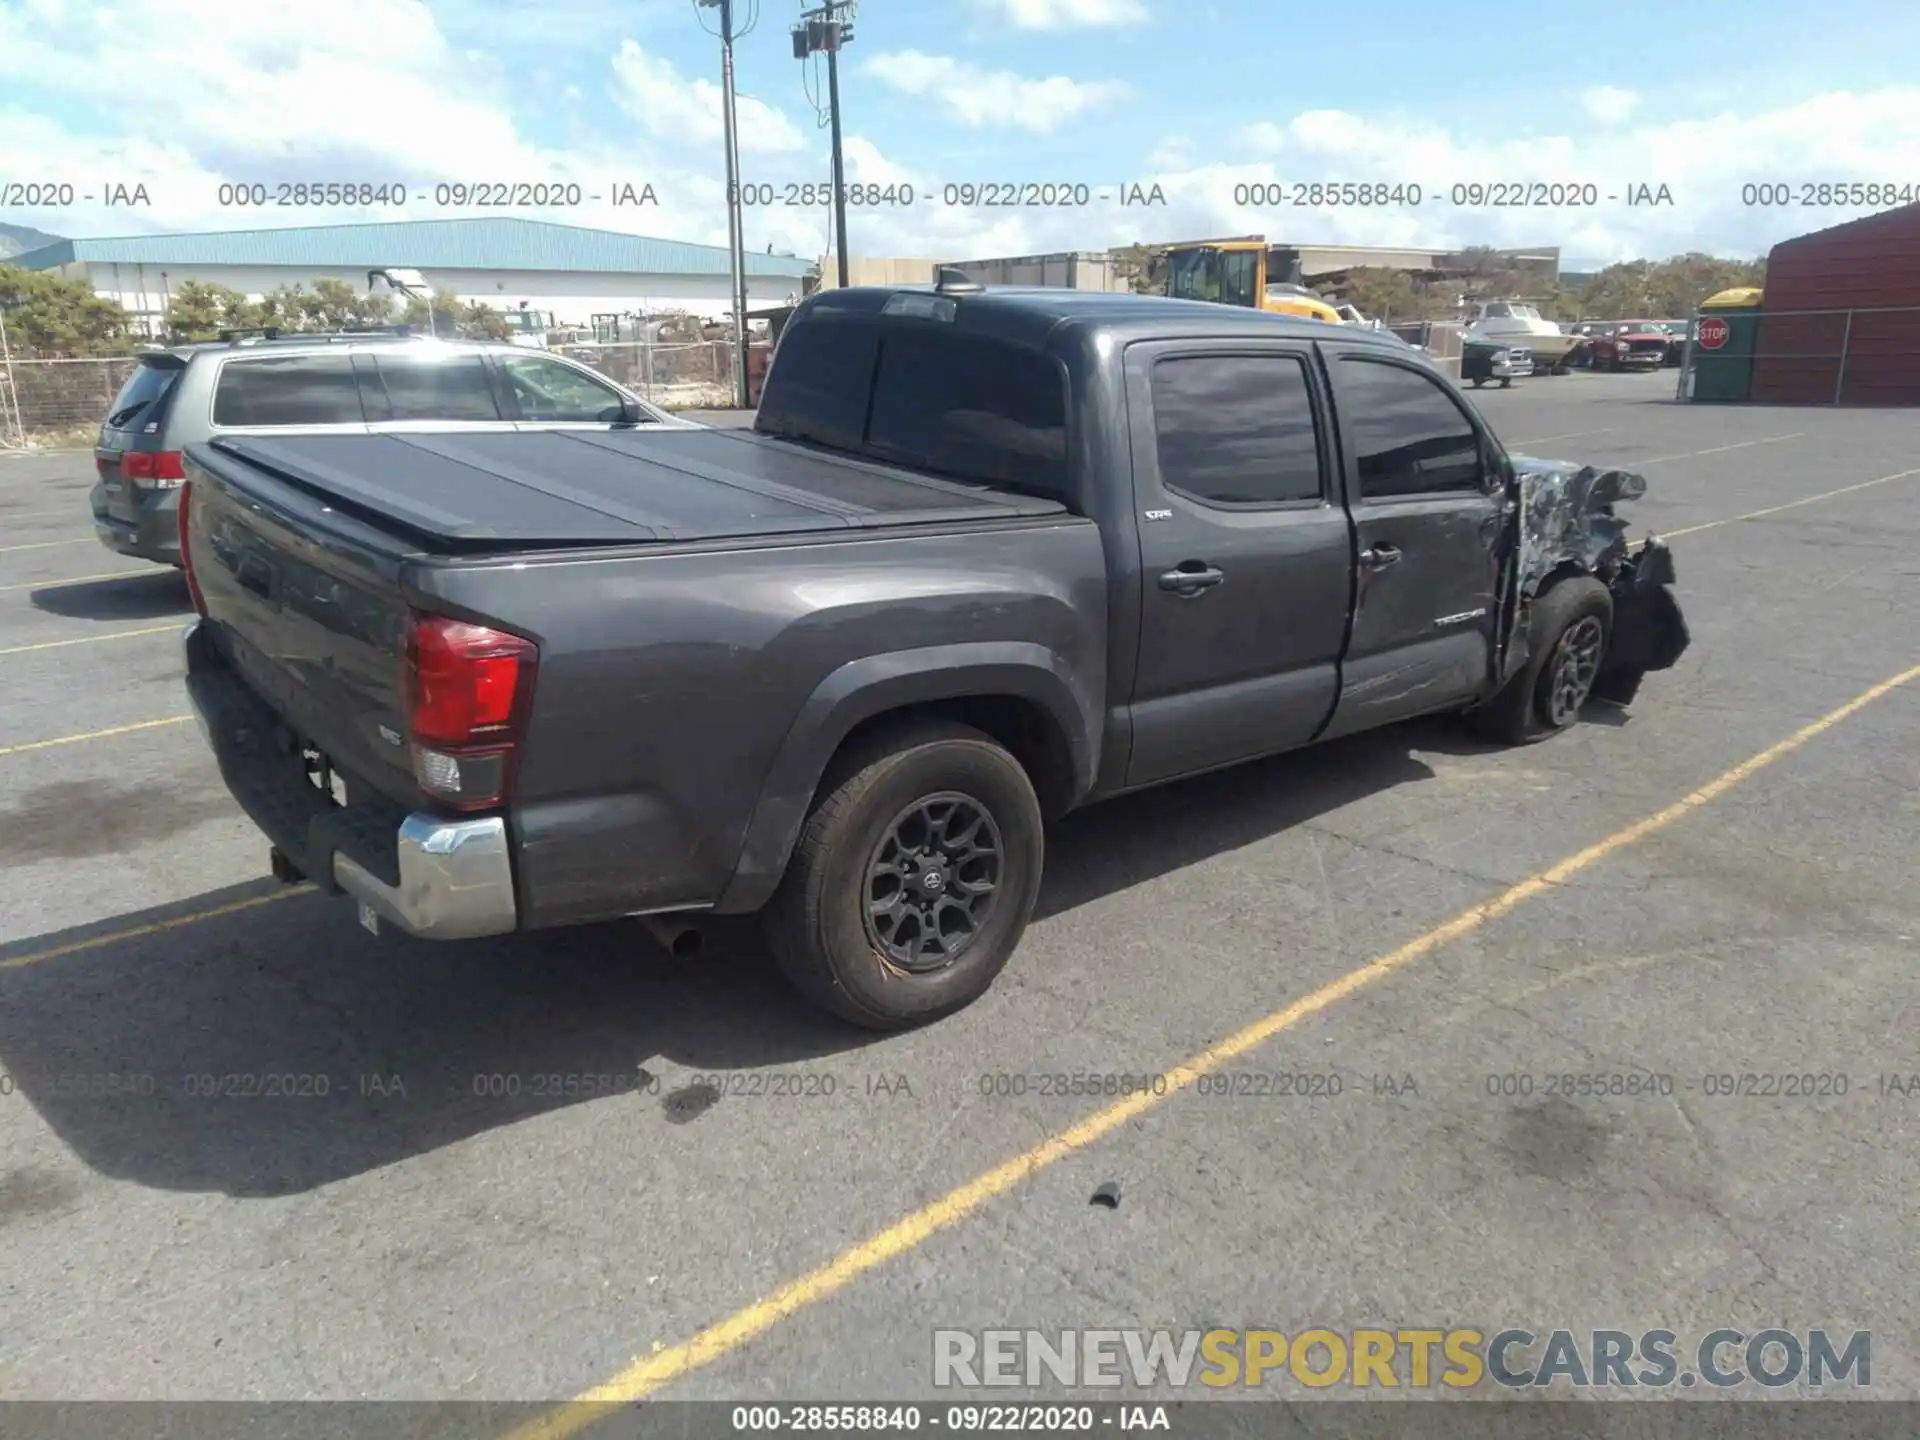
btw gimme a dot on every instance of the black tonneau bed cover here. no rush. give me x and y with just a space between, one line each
532 488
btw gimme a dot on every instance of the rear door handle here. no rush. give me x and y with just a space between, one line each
1191 577
1378 557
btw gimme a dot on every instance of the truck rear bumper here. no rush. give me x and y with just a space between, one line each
431 876
456 879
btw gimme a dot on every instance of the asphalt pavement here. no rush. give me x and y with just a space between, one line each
1718 881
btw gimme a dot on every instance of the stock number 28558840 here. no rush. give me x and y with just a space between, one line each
826 1417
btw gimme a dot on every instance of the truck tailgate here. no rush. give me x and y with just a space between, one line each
482 491
307 606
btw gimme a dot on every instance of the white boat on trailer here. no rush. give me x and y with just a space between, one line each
1517 323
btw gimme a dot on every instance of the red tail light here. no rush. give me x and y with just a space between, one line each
160 465
467 688
186 553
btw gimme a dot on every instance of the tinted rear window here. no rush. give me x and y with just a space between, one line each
140 399
287 390
926 396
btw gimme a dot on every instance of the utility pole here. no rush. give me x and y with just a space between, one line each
823 29
735 229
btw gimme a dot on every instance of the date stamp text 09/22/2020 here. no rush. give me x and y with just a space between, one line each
58 193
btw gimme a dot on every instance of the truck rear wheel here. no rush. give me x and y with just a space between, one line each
913 878
1569 629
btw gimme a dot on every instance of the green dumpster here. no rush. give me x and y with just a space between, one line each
1726 333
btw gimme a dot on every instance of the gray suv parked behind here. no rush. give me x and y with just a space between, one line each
347 383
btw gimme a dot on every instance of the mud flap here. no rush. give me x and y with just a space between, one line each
1649 632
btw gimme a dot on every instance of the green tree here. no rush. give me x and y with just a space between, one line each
1139 266
480 321
445 320
1382 294
1664 289
198 310
53 316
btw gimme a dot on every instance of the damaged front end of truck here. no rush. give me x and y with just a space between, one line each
1567 526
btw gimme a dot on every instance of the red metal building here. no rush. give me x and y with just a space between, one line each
1840 320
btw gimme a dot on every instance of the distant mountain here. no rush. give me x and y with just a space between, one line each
18 239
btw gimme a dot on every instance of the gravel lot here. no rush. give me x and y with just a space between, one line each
406 1236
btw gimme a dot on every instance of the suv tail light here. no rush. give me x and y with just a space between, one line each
468 688
186 554
163 469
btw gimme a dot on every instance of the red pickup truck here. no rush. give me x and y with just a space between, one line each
1629 345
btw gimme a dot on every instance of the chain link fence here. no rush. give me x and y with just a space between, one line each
61 402
1803 357
676 375
50 402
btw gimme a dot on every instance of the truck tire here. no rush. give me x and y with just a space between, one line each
1570 625
944 823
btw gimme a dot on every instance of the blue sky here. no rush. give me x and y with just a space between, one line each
1201 97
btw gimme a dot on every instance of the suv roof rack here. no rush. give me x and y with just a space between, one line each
253 334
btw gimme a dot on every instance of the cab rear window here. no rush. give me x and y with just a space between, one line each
922 395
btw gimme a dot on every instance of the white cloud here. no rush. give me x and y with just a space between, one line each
1609 103
671 108
265 105
1703 163
979 97
1069 14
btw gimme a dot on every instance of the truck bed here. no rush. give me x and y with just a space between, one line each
465 492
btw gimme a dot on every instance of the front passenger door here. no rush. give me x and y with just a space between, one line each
550 394
1428 520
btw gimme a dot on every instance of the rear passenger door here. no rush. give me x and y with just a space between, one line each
1428 513
415 392
1245 553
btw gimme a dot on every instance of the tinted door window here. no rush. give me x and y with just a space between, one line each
1408 435
1236 429
548 390
971 408
287 390
441 387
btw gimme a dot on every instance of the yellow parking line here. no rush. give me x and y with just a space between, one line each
1717 449
649 1373
90 639
93 735
1791 504
78 580
44 545
95 942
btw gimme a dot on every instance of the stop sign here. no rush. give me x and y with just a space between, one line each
1713 333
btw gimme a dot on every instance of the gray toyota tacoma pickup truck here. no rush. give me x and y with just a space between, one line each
985 556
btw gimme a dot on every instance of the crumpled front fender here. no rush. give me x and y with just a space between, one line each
1568 524
1649 632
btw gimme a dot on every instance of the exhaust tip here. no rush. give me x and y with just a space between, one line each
678 938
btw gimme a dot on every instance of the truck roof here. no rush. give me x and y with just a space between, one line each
1029 315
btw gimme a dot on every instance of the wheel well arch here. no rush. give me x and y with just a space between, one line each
1020 725
1040 711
